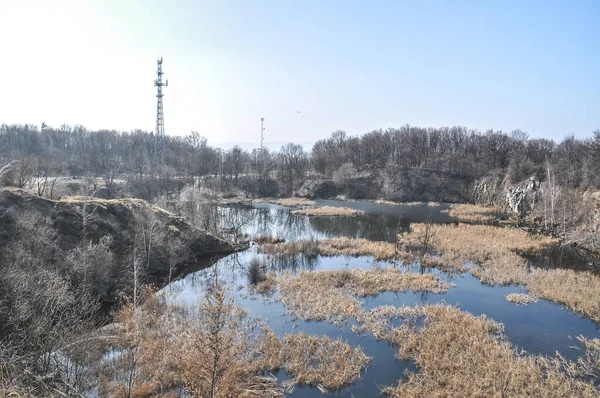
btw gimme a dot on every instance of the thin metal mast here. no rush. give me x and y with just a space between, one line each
262 151
160 117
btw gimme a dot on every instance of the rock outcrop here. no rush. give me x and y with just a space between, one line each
519 199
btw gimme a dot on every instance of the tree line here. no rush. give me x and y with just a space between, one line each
457 151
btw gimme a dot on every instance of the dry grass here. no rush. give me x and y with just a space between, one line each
475 214
328 211
386 202
308 247
520 298
322 361
378 321
314 360
268 285
333 247
493 251
287 202
578 290
331 295
460 355
262 239
357 247
163 349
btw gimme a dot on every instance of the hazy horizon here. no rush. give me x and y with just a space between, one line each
309 68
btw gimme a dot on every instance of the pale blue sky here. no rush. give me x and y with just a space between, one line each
351 65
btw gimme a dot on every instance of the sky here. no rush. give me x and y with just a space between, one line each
309 67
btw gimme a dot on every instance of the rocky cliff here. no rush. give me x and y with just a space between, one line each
519 199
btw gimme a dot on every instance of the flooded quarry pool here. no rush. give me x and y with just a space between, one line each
540 328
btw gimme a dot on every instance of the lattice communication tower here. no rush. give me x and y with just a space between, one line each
160 117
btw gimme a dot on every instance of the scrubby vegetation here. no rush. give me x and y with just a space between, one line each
520 298
287 202
475 214
494 255
332 295
262 239
215 353
459 354
328 211
333 247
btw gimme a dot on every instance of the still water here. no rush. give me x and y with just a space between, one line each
540 328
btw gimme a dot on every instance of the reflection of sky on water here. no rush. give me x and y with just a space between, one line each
541 328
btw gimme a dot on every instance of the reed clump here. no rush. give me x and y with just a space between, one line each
328 211
163 350
475 214
460 355
521 298
357 247
493 250
332 295
321 361
332 247
287 202
262 239
306 247
386 202
579 290
495 256
268 285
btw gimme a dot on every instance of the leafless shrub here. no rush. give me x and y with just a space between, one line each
256 271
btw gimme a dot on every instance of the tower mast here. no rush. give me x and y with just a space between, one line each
160 118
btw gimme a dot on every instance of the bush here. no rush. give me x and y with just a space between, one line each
256 271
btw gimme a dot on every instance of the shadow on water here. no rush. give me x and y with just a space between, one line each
540 328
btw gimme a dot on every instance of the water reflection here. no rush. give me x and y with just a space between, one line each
541 328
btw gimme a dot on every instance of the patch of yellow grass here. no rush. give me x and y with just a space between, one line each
308 247
475 214
322 361
493 251
357 247
460 355
377 321
386 202
520 298
333 247
268 285
328 211
262 239
578 290
166 350
331 295
288 202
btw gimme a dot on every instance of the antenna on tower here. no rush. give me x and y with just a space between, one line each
160 118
